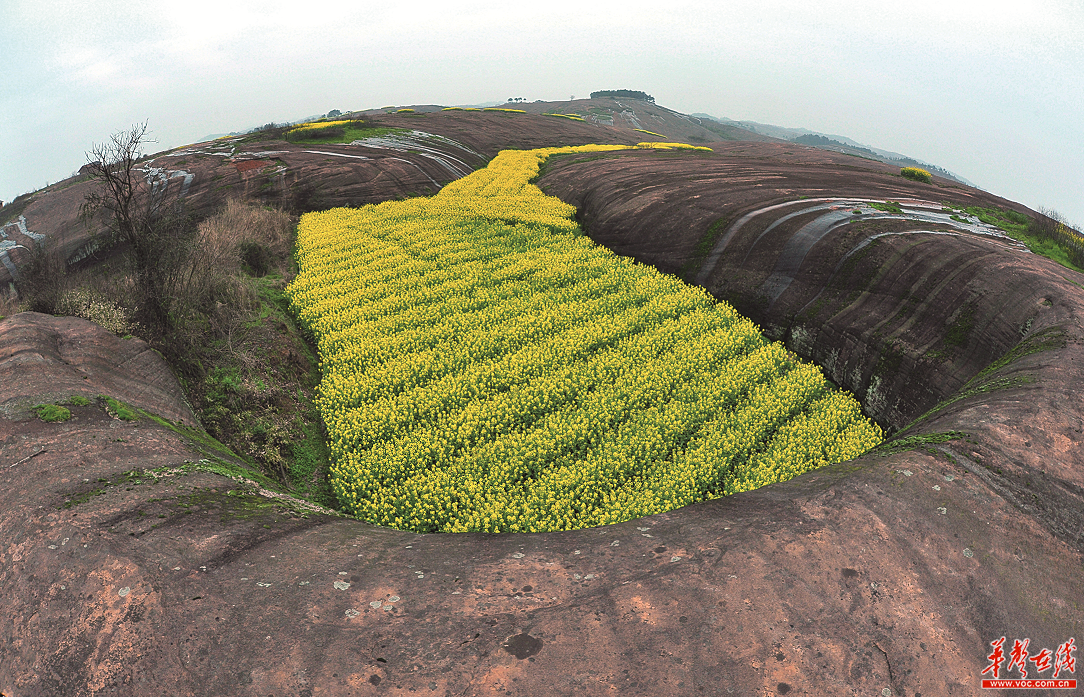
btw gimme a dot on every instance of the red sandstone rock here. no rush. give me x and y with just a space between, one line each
891 572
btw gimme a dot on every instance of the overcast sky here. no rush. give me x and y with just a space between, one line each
992 90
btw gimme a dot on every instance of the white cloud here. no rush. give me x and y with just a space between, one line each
980 87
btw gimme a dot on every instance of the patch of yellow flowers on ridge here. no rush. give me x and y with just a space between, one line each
673 146
486 367
317 125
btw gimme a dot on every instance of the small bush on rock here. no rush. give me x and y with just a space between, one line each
917 174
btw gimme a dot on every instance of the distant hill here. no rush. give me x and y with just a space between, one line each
837 143
640 113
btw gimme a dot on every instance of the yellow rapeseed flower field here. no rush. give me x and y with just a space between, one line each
486 367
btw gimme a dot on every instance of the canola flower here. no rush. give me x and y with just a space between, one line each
486 367
650 133
317 125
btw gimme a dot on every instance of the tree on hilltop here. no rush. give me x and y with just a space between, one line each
624 94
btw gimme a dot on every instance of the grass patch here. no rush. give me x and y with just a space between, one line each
887 207
347 133
1052 250
52 413
118 409
1045 236
78 401
916 442
1009 221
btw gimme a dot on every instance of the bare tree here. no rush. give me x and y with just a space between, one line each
112 165
138 217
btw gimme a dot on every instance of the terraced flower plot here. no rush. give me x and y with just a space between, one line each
489 368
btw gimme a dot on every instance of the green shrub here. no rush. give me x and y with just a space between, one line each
917 174
52 413
78 401
257 258
93 305
317 134
42 281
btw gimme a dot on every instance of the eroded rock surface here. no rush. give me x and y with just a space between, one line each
44 359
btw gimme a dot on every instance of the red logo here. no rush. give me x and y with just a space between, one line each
1062 661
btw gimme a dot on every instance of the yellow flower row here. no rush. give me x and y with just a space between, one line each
317 125
672 146
487 367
